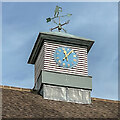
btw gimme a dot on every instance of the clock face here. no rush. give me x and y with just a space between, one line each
65 57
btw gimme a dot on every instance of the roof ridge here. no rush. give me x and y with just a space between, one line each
15 88
106 100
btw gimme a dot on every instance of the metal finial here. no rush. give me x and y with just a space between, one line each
56 15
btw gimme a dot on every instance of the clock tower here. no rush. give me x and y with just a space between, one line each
61 67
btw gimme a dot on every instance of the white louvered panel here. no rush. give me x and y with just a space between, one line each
80 67
47 54
52 66
46 61
57 68
46 64
48 51
60 68
53 62
82 63
72 71
82 55
40 57
85 67
50 63
39 69
80 70
81 59
86 64
80 73
39 64
85 72
45 67
82 50
38 72
51 69
47 57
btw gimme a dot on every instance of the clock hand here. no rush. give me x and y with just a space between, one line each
69 53
65 52
65 55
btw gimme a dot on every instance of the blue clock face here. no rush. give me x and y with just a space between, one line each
65 57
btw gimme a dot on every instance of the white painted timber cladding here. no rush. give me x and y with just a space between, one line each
39 64
50 64
46 60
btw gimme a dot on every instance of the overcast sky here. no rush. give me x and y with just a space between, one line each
21 23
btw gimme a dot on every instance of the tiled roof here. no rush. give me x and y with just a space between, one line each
25 104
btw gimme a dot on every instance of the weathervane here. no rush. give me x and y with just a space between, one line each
56 15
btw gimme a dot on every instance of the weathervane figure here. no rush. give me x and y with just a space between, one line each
56 15
57 10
